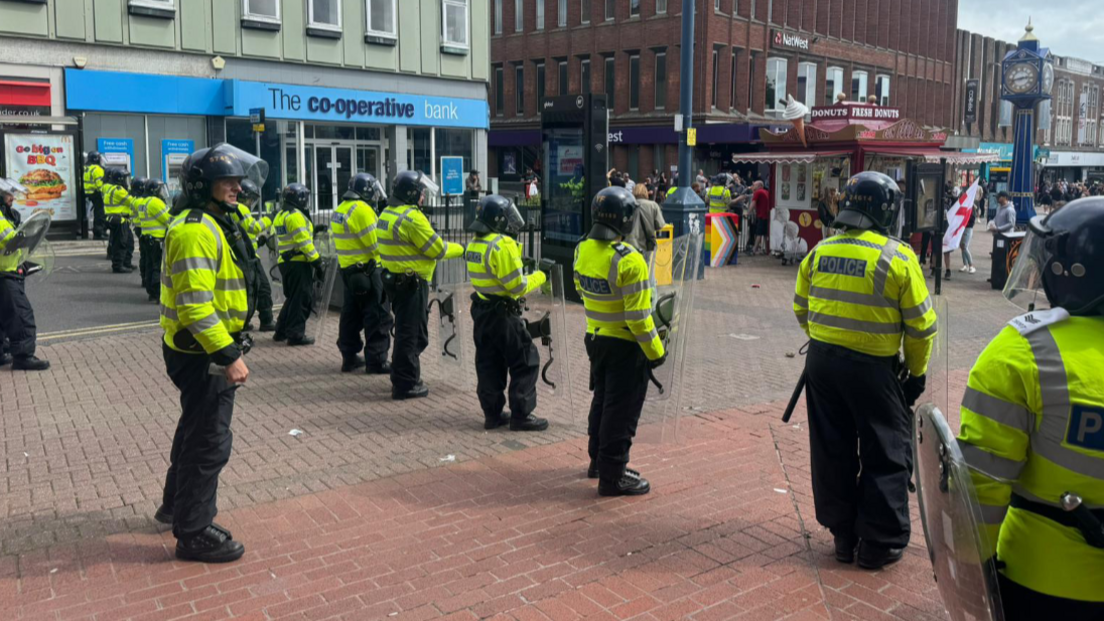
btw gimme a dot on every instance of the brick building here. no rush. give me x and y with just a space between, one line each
749 54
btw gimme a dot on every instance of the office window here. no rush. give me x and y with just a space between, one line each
881 89
611 82
540 84
519 19
519 90
561 13
661 6
562 70
735 63
858 86
634 8
806 84
264 10
753 57
455 22
716 76
611 9
634 82
540 14
716 5
584 75
324 14
500 91
157 8
833 84
776 84
660 80
498 17
381 18
584 11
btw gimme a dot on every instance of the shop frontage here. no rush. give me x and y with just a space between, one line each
1074 166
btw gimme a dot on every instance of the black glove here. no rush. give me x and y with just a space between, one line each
262 240
914 387
546 265
321 228
658 362
319 271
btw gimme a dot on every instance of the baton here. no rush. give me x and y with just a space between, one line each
652 379
800 388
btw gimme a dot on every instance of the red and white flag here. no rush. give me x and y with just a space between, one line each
958 216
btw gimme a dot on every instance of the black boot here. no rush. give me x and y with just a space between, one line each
873 556
384 368
267 327
122 270
5 359
592 471
348 365
496 422
211 545
417 392
529 423
299 341
164 515
279 338
29 363
845 548
628 485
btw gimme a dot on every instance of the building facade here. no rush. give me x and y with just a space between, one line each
1075 136
749 55
345 86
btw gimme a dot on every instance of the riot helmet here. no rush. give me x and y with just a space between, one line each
10 188
871 200
139 187
117 177
249 194
204 168
719 179
296 196
93 157
410 187
497 214
1062 257
612 213
365 187
157 189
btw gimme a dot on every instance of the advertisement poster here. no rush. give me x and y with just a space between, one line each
117 153
452 176
173 154
569 158
47 166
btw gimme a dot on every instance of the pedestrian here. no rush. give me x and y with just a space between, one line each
154 221
1031 425
93 191
760 205
257 228
366 311
968 236
701 179
119 209
662 186
473 186
18 331
648 220
205 305
409 251
504 349
299 265
857 296
1005 221
621 340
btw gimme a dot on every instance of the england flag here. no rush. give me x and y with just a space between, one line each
958 216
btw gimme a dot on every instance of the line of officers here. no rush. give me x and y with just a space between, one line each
387 260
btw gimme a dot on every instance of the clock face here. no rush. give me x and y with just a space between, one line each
1048 77
1021 78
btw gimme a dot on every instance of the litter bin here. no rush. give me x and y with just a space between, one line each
1006 248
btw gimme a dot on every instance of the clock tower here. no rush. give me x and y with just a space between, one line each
1026 80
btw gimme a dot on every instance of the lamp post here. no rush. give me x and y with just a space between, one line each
684 203
1027 76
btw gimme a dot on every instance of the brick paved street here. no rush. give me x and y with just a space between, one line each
412 511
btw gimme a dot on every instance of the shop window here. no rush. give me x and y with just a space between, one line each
457 143
661 6
833 84
806 84
420 156
381 27
324 17
519 90
584 75
498 17
634 8
776 85
611 82
858 86
500 90
152 8
368 133
540 84
735 64
261 14
540 14
634 82
716 76
716 5
881 89
454 26
519 15
660 80
562 74
584 11
561 13
611 9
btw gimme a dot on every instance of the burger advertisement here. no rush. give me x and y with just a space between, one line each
45 165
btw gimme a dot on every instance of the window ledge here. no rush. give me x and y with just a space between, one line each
451 48
380 39
324 32
253 23
30 1
151 11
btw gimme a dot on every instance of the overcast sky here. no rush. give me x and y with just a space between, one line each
1067 27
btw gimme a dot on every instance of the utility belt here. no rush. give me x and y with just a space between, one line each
1089 521
360 268
408 281
115 218
893 362
510 305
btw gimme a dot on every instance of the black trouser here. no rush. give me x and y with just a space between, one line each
262 290
201 445
503 346
619 374
365 309
861 445
17 321
411 306
298 279
121 245
1023 604
99 219
155 249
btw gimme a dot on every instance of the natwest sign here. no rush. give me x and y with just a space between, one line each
782 39
855 113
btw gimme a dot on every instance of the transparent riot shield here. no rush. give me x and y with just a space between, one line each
269 258
450 321
674 304
30 234
546 318
322 295
937 386
961 552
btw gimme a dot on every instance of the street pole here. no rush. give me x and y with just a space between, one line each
684 203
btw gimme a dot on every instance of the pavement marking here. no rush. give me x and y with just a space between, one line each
92 331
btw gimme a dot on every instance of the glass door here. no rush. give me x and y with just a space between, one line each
368 160
323 190
343 172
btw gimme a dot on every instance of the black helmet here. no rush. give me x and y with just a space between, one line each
296 195
719 179
612 213
365 187
871 200
250 193
158 189
1063 255
410 186
206 166
117 176
93 157
139 187
496 214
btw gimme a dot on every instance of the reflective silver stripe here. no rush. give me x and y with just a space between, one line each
429 244
194 263
803 319
917 312
615 262
801 301
493 288
608 317
194 297
373 249
848 241
492 245
169 313
206 323
998 410
394 242
856 325
400 258
165 280
1057 405
921 334
992 466
636 287
509 277
881 272
647 338
520 288
337 235
395 228
639 315
444 251
993 515
357 252
478 274
217 233
850 297
227 315
294 232
230 284
297 245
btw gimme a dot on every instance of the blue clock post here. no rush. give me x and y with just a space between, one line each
1027 78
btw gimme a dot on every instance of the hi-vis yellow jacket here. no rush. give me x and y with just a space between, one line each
408 242
8 263
153 216
295 233
495 268
719 198
117 201
354 233
612 278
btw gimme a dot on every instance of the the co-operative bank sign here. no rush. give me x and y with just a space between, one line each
289 101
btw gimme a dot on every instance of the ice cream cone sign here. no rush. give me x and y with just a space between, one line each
795 114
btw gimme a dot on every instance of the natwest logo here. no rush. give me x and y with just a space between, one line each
790 40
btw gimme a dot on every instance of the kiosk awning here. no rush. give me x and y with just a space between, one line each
932 156
805 157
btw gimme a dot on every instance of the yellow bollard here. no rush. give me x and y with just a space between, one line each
664 254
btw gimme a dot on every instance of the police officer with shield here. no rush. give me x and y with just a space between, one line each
255 227
154 219
204 308
409 251
858 295
93 188
120 209
1033 423
503 345
18 332
299 264
366 308
621 339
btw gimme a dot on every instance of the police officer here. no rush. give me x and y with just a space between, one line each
204 307
719 194
256 228
299 264
366 307
858 294
138 188
93 190
119 209
409 251
621 340
1033 424
503 345
155 217
17 322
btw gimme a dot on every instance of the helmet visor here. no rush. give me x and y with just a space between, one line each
12 187
161 191
514 221
254 168
429 188
1025 284
377 187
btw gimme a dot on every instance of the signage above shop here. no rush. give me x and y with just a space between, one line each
21 98
855 112
784 39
